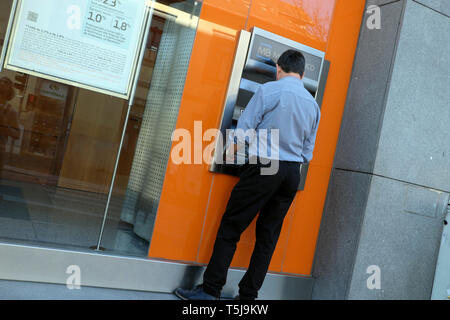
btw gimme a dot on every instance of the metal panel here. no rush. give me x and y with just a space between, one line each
232 93
25 263
266 47
322 83
319 99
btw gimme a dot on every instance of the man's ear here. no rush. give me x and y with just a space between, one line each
278 72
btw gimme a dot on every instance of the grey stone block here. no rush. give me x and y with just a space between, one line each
413 145
380 2
362 121
443 6
422 201
395 126
404 246
339 233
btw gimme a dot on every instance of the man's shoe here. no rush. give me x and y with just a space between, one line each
195 294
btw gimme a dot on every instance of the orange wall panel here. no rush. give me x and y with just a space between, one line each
220 192
299 24
305 224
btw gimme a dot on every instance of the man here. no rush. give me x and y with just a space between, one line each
284 105
9 126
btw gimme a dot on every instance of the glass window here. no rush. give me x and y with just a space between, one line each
58 146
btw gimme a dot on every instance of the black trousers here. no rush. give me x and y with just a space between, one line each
271 196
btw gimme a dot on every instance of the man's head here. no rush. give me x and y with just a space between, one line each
291 63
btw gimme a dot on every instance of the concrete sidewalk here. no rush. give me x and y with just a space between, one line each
21 290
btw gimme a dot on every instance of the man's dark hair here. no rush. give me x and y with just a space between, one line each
292 61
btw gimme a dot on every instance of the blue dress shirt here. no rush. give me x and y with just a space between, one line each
287 106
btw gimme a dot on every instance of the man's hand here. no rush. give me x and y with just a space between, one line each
230 153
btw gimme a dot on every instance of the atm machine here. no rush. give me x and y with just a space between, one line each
255 64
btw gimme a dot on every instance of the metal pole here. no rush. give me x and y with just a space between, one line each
130 104
8 34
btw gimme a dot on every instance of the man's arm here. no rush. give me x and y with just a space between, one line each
308 145
253 113
250 119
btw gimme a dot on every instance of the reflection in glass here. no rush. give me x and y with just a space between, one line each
168 55
309 18
58 146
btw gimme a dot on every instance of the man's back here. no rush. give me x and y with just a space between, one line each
287 106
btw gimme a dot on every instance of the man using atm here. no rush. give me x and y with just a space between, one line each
286 106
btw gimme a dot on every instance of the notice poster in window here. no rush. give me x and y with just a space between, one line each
93 44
